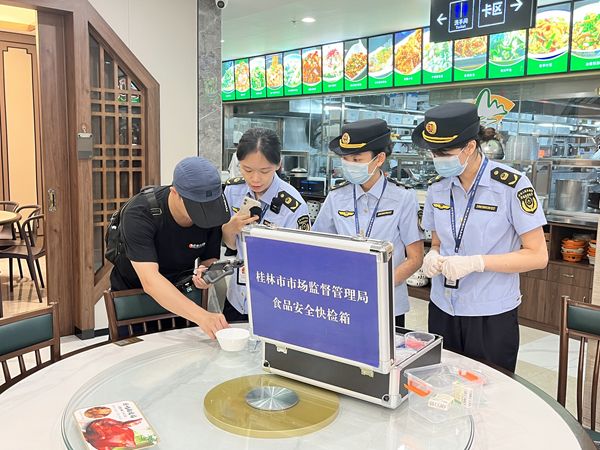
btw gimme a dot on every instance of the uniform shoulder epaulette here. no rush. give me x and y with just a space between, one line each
435 179
398 183
234 181
337 186
504 176
289 201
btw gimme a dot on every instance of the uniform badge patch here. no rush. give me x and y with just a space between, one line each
388 212
346 213
304 223
483 207
289 201
266 222
441 206
505 177
528 201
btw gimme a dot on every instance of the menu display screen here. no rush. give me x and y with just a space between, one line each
355 65
408 57
312 82
333 67
292 73
258 82
585 42
227 81
274 71
470 58
437 60
381 61
507 54
548 49
242 79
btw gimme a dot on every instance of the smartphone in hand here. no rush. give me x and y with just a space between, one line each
247 204
220 269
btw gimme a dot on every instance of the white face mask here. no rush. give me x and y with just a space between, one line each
357 173
450 166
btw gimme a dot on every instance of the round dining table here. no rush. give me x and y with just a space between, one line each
8 217
168 374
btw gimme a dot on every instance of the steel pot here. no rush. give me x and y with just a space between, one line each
571 195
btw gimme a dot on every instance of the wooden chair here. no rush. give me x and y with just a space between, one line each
31 252
27 333
135 313
26 212
582 321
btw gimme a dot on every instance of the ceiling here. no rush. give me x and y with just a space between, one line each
254 27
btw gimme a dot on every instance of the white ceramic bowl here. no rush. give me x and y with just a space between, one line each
233 339
592 260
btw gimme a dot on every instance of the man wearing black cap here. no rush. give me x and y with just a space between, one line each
164 235
371 205
486 228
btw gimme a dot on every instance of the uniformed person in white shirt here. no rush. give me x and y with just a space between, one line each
486 227
371 205
259 155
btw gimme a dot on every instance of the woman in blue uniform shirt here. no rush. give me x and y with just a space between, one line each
372 205
259 156
486 228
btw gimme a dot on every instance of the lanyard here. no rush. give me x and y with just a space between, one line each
458 238
356 222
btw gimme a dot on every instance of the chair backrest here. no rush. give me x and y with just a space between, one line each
28 333
28 231
7 205
136 312
579 321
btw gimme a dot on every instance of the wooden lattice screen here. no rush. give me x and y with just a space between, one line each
118 128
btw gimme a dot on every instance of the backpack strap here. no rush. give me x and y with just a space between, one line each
150 194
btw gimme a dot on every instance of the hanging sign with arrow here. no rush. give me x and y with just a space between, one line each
460 19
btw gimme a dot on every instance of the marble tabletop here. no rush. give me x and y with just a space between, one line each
36 413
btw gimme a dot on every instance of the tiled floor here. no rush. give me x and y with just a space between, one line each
537 360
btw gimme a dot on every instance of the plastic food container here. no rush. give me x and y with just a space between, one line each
441 392
233 339
418 339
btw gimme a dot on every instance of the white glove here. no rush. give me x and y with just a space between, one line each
457 267
432 264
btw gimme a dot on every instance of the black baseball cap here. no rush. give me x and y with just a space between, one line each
450 125
362 136
198 182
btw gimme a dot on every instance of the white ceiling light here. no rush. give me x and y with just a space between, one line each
309 20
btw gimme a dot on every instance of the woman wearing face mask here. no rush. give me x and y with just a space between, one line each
259 155
486 228
371 205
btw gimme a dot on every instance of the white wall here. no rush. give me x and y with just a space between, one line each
162 34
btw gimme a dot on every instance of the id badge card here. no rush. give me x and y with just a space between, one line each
241 275
450 284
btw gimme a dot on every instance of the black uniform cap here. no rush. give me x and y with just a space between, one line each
369 135
447 126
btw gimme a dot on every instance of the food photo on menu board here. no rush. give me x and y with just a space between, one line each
407 57
355 65
274 64
437 60
242 79
381 61
311 71
258 83
548 49
333 67
585 40
470 58
507 54
292 72
227 81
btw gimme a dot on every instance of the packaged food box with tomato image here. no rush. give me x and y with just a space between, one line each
115 426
